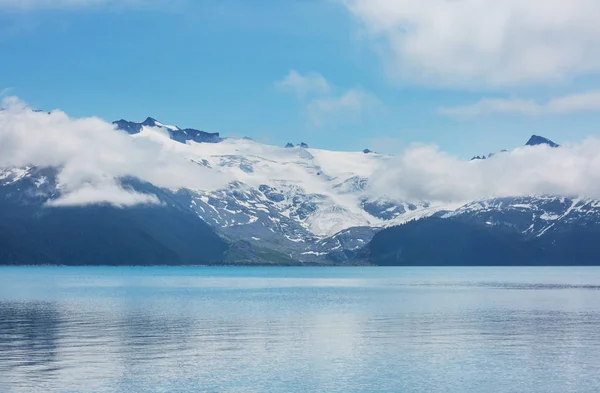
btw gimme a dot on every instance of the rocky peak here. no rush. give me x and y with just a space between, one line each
128 126
149 122
536 140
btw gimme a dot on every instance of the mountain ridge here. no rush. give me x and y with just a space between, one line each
303 205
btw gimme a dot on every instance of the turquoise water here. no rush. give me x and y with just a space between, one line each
165 329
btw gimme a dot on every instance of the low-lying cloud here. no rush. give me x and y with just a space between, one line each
109 193
92 157
426 173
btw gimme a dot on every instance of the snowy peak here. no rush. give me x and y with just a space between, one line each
191 134
128 126
149 122
537 140
175 133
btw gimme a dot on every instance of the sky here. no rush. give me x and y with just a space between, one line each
470 76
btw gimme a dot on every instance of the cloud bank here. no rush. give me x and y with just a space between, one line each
93 156
483 43
426 173
572 103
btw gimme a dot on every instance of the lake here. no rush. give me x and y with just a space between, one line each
259 329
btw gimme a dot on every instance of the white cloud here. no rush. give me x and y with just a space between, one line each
109 193
93 156
426 173
303 85
324 106
484 43
582 102
573 103
493 105
347 107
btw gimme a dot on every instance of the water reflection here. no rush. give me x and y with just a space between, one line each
29 340
347 338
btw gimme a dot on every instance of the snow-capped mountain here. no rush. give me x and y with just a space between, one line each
523 230
309 204
304 204
531 216
295 199
536 230
175 133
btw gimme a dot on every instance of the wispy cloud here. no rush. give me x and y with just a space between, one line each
483 43
572 103
349 106
303 85
322 104
92 157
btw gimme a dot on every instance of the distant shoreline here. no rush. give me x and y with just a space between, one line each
307 266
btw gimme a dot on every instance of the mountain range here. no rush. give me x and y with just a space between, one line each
284 205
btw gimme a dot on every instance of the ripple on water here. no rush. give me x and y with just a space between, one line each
433 330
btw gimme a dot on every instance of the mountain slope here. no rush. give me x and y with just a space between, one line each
31 233
499 231
288 205
444 242
169 233
451 242
531 215
523 230
287 199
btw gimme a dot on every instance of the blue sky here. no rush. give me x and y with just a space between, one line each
359 73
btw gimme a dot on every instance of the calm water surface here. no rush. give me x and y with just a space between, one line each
299 329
